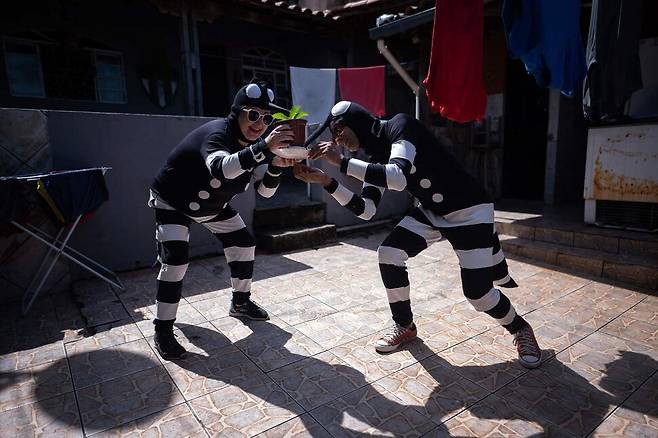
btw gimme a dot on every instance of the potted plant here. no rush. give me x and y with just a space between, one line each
294 119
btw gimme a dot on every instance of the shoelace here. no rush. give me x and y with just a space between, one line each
395 333
525 342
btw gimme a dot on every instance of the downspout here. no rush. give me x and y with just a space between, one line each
197 69
187 64
381 46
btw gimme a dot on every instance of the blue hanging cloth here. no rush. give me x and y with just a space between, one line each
545 36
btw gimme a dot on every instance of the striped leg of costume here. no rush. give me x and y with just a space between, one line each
472 235
408 239
239 249
172 235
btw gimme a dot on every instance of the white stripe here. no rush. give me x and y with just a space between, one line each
478 214
172 273
507 319
395 179
502 281
369 210
475 258
239 254
342 194
273 174
157 202
231 167
227 226
487 302
210 158
357 168
403 149
498 257
241 285
388 255
259 156
398 294
165 311
425 231
167 232
266 192
258 172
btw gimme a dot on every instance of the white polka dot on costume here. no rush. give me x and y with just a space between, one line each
215 183
204 195
194 206
425 183
437 197
253 91
413 169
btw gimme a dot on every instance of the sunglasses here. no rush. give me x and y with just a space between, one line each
254 116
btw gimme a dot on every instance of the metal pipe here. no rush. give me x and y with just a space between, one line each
415 88
185 43
197 68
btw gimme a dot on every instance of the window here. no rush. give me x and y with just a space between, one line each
110 84
23 68
47 68
270 66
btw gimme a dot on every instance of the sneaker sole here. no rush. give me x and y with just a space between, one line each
390 348
530 365
244 315
169 357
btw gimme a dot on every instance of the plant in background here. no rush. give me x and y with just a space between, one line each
295 113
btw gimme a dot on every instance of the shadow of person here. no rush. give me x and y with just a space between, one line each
552 395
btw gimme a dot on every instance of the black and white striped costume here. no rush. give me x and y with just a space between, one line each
202 174
452 206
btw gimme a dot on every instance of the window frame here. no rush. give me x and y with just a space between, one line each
35 44
95 53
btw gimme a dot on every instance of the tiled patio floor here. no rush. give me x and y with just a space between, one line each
86 365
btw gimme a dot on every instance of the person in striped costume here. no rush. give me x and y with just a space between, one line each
452 205
211 165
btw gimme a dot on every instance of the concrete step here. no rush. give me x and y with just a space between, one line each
287 239
618 242
636 270
306 213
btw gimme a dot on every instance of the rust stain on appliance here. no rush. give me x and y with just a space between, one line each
613 186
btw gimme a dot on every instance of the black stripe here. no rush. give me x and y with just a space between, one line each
174 252
227 213
406 240
169 291
469 236
402 163
372 192
333 185
356 205
270 181
376 175
240 238
241 270
247 160
501 308
170 217
476 282
394 276
402 312
496 243
420 217
499 271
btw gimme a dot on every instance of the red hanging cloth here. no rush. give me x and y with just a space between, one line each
454 82
364 86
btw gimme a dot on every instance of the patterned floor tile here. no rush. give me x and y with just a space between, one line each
303 426
270 344
481 360
626 327
201 339
300 310
187 314
197 374
610 364
57 416
318 379
636 417
342 296
115 402
30 357
646 311
437 334
368 412
178 422
105 336
550 393
433 388
245 411
495 417
103 313
33 384
97 366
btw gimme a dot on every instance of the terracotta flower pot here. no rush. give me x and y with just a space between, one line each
298 127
